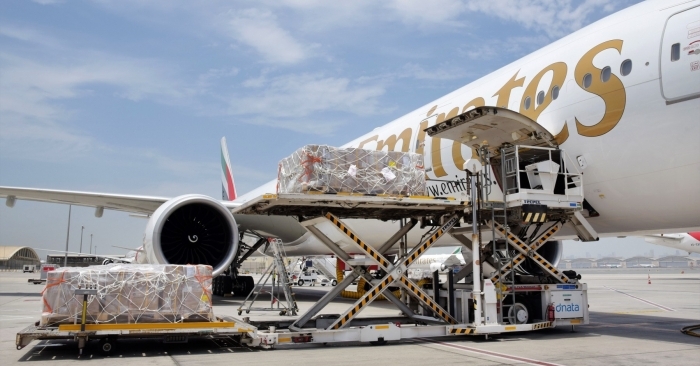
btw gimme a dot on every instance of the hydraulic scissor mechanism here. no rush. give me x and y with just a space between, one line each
395 273
526 251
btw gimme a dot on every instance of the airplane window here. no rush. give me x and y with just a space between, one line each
587 80
676 52
527 103
540 97
555 92
605 74
626 67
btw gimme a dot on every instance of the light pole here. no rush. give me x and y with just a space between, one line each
82 228
90 243
65 255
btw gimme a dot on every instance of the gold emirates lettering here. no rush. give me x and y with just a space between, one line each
612 92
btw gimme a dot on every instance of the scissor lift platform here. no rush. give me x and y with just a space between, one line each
350 206
316 211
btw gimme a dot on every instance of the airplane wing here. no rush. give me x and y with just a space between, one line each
661 240
119 202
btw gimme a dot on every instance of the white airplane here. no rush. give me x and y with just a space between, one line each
429 263
620 95
687 242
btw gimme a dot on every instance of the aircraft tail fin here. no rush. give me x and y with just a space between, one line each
228 190
458 250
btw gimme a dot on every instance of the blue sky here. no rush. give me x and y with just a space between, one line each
133 96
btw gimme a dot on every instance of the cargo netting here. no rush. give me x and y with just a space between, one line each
129 293
321 168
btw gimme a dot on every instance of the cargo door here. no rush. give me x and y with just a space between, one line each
680 56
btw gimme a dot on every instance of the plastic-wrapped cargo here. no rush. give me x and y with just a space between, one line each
129 293
328 169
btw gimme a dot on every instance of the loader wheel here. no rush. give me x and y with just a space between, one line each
300 283
107 346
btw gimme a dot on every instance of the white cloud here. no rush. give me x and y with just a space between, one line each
286 101
553 17
35 90
440 73
427 12
259 29
48 2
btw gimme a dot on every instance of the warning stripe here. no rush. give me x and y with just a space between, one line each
424 247
428 301
529 249
462 330
362 302
542 325
534 217
371 252
427 244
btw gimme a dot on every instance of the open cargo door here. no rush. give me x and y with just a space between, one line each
495 127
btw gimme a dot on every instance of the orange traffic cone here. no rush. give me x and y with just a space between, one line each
649 279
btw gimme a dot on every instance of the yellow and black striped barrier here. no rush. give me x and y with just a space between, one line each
462 331
542 325
534 217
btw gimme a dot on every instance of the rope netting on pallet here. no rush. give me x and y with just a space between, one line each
129 294
329 169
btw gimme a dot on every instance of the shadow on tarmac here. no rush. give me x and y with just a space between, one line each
21 294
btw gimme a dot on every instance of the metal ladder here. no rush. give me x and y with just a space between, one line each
320 264
509 172
278 267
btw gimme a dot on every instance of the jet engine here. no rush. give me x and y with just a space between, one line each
551 251
440 267
191 229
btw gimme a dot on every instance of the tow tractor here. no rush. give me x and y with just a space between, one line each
43 271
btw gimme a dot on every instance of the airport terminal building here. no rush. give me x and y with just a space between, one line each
16 257
671 261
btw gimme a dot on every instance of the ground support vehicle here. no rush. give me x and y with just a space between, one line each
307 277
509 284
45 268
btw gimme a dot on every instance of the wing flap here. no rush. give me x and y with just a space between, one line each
119 202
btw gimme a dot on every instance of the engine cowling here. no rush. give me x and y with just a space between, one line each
551 251
191 229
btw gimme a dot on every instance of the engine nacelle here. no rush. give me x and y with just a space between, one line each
551 251
440 267
191 229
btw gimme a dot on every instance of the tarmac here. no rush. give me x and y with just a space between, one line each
632 322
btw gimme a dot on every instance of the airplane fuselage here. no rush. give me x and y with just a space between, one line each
621 97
